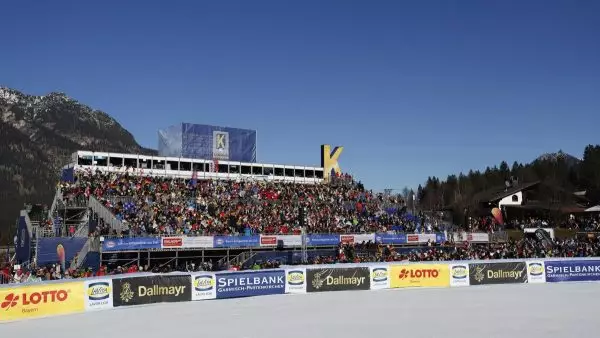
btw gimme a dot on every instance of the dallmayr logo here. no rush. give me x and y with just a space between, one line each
459 272
535 269
126 294
380 274
204 283
295 277
324 278
98 291
496 274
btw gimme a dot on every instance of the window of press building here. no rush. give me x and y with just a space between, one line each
85 160
289 172
201 167
130 162
145 163
223 168
172 165
185 166
257 170
246 170
309 173
319 174
278 171
158 164
234 169
101 161
267 171
299 173
116 161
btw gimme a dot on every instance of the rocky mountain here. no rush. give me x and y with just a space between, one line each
38 134
559 156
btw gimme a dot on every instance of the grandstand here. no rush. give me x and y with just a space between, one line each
123 210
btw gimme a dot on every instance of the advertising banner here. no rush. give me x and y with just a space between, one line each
535 272
322 240
246 284
420 275
421 238
52 250
151 289
380 277
23 244
236 241
204 286
98 294
497 273
390 238
338 279
295 280
288 240
185 242
41 300
357 238
129 244
572 271
459 275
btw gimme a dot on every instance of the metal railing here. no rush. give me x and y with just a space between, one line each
80 258
237 260
58 197
106 215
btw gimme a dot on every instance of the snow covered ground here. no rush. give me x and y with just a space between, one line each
543 310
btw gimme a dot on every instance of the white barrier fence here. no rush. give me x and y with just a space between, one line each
73 296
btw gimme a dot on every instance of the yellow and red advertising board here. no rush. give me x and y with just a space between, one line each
420 275
41 300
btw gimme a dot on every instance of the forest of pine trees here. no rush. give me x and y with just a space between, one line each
458 192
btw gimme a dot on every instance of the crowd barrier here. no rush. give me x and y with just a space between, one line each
55 298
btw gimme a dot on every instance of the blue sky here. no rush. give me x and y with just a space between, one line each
410 88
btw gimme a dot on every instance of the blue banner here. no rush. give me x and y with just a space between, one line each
246 284
23 244
390 238
59 250
572 271
322 240
208 142
134 243
236 241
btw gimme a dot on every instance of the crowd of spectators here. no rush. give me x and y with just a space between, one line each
167 206
347 253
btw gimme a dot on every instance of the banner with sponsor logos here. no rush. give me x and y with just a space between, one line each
133 243
390 238
497 273
357 238
420 275
459 275
41 300
380 277
322 240
338 279
476 237
236 241
185 242
572 271
421 238
286 240
151 289
98 294
204 286
535 272
255 283
295 280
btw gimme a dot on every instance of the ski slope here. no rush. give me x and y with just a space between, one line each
529 311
